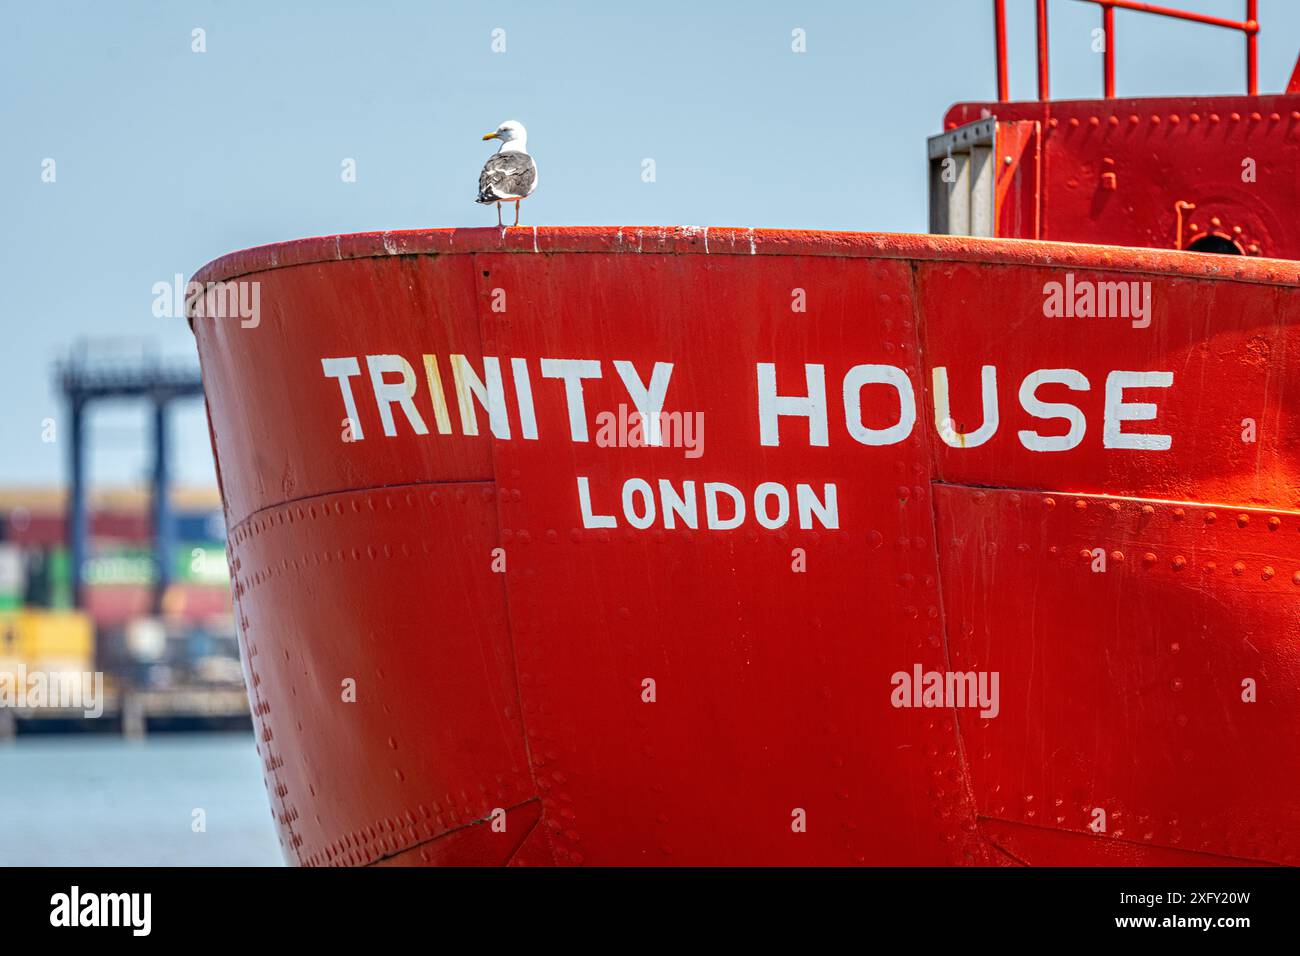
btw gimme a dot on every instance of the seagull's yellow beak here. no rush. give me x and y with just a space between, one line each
489 136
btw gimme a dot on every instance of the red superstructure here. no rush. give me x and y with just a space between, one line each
1209 173
483 624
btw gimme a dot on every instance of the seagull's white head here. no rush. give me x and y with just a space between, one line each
513 136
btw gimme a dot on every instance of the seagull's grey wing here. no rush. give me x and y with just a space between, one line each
507 176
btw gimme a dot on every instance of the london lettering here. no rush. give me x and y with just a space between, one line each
390 396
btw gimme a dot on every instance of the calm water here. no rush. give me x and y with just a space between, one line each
95 801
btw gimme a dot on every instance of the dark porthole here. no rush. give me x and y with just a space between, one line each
1215 244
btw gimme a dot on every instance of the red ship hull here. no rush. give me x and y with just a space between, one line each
463 647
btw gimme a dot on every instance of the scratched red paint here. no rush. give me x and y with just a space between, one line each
499 717
372 560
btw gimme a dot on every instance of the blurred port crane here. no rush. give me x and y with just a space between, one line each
115 370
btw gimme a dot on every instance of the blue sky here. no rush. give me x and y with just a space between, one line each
167 158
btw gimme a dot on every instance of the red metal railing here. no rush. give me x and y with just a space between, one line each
1248 26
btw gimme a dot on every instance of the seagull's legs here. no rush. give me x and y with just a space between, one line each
516 212
499 222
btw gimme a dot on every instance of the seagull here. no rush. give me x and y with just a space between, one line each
510 174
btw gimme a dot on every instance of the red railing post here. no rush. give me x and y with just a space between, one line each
1252 35
1042 50
1108 67
1000 46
